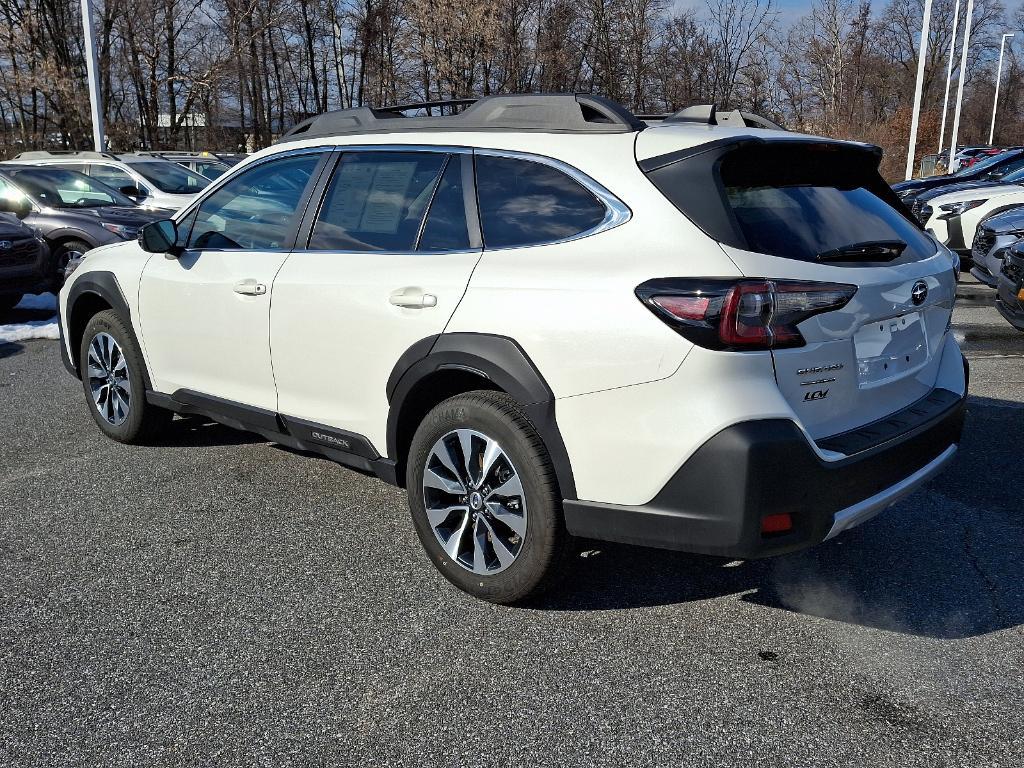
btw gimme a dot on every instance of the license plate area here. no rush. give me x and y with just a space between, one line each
890 349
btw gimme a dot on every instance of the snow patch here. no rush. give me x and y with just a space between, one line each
34 329
41 302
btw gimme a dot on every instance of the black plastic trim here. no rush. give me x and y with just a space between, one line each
65 358
102 284
498 359
338 445
906 422
715 503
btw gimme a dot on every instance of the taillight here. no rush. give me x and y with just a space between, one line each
741 314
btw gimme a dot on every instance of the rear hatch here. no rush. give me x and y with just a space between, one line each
812 221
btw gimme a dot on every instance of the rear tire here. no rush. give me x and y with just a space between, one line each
115 382
492 525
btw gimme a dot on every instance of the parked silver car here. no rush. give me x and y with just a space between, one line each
991 241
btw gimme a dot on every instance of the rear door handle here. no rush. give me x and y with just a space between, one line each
250 288
412 298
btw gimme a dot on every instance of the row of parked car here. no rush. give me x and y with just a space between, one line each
61 204
978 212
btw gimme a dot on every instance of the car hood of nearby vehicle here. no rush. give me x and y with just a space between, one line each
963 186
11 226
115 214
985 193
1007 221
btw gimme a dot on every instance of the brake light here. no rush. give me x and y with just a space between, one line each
742 314
779 523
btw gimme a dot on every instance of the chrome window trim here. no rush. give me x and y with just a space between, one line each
616 211
215 185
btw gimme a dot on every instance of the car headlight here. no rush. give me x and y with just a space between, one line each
959 208
125 233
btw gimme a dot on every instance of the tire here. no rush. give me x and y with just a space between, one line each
118 408
9 301
481 534
62 254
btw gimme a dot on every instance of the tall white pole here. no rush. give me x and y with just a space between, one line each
960 85
917 88
999 76
92 69
949 75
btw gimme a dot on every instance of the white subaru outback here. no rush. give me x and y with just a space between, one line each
546 319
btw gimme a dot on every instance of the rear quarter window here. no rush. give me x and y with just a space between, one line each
523 203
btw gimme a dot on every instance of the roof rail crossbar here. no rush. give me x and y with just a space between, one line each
542 112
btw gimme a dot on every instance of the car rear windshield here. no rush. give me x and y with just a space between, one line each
810 202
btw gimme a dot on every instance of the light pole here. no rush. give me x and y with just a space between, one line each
917 88
949 75
960 85
999 76
92 69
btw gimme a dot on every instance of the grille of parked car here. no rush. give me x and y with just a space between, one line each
21 251
983 242
1013 269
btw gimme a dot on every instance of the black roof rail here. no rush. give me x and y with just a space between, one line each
542 112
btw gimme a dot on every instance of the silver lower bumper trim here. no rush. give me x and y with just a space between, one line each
865 510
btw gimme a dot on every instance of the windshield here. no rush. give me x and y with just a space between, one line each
170 177
58 188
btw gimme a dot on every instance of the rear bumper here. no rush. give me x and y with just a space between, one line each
716 501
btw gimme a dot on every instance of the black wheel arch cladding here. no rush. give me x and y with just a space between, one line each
102 285
497 361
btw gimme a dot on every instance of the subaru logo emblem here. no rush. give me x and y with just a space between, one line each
919 293
5 245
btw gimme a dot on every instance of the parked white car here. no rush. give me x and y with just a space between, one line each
546 319
146 178
953 218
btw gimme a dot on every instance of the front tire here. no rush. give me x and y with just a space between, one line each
484 498
114 380
62 255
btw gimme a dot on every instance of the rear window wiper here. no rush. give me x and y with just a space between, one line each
873 250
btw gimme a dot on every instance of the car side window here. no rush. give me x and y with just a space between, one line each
257 209
523 202
376 201
111 176
446 228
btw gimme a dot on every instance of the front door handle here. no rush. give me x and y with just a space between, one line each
250 288
413 298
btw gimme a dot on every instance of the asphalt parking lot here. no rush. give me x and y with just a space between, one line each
218 600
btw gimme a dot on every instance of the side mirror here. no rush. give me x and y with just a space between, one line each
131 191
159 237
20 207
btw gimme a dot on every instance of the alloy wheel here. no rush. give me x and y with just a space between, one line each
109 379
474 501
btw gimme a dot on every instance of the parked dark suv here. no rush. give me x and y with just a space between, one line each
71 210
25 262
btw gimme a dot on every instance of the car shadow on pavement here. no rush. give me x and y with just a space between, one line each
10 349
200 432
943 563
